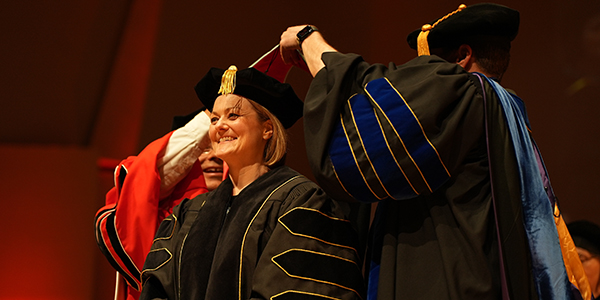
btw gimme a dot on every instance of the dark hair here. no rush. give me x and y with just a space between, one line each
492 53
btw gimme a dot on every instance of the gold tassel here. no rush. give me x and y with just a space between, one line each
228 81
422 45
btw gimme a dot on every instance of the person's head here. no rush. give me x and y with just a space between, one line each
249 114
477 37
586 236
212 167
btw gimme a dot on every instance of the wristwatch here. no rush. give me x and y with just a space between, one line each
305 32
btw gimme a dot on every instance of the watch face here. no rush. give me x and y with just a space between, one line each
302 34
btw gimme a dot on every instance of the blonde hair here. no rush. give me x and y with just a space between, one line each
276 146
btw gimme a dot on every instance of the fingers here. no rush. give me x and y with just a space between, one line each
288 45
290 56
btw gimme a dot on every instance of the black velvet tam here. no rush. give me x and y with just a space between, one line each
479 19
279 98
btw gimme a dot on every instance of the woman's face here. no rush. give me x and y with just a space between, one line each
238 135
591 266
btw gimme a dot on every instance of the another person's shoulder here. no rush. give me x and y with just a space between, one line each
428 65
433 74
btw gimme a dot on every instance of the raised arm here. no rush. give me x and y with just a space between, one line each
311 48
181 152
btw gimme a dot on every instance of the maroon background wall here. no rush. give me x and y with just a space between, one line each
83 80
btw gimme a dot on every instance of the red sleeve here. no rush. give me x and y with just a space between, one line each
126 225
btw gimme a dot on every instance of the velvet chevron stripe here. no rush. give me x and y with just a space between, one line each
346 167
301 295
409 130
379 149
343 272
386 167
309 223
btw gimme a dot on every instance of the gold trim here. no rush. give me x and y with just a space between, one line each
422 130
248 229
392 152
312 237
313 279
305 293
340 181
362 144
355 161
174 219
178 279
166 261
420 126
335 172
422 44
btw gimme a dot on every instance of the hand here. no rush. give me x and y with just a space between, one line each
289 45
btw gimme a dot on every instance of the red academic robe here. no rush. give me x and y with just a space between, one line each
126 225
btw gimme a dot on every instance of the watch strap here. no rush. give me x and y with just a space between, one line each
305 32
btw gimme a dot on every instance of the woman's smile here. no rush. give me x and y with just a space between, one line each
236 131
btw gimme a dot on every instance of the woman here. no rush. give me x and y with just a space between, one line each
266 232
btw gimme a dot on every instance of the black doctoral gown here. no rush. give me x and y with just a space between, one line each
282 237
413 139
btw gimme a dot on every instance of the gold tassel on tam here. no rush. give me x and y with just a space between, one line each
228 81
422 45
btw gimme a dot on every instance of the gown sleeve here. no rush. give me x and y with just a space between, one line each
393 132
311 252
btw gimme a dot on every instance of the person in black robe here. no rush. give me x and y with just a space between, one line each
464 204
266 232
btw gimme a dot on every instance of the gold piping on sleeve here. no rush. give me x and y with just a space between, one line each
305 293
178 279
314 279
355 161
392 153
401 141
340 181
362 144
421 126
166 261
174 218
312 237
246 233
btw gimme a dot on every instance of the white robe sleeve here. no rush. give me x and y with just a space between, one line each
183 149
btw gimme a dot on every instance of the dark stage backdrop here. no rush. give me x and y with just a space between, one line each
83 81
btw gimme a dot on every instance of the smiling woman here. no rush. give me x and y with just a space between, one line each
236 128
266 232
